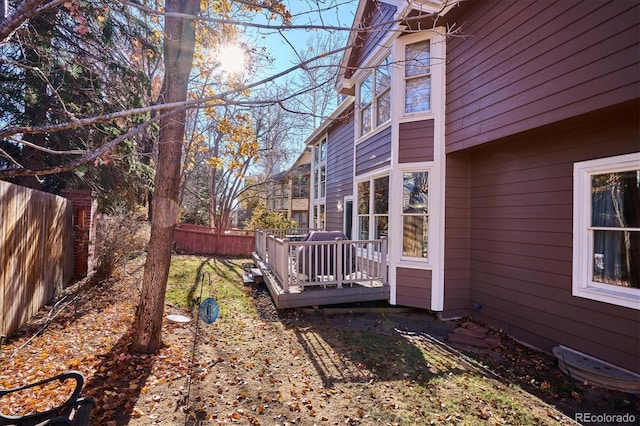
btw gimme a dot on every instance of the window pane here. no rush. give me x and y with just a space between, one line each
323 178
366 91
363 197
321 215
315 183
323 150
417 95
381 202
615 199
616 258
383 75
365 120
417 59
382 226
415 192
363 227
414 236
383 108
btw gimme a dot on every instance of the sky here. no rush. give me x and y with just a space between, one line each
306 12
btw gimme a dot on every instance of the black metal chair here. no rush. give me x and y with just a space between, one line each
74 411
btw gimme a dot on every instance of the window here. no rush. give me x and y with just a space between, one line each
319 184
375 98
302 218
318 216
415 214
607 230
417 77
320 169
373 208
300 185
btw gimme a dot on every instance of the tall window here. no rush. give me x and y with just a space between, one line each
319 184
415 214
373 208
417 77
320 169
375 97
607 230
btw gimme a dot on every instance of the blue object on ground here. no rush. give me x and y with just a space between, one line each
209 310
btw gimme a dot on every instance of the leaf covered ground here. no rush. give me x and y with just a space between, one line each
258 366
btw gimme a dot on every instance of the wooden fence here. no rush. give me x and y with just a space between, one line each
196 239
36 252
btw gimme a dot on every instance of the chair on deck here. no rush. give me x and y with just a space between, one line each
74 411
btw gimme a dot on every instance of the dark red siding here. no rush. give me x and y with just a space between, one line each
413 288
374 152
525 64
456 259
340 170
520 228
415 141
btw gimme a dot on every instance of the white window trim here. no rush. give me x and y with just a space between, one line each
414 259
316 202
368 69
317 166
437 52
396 214
370 177
582 277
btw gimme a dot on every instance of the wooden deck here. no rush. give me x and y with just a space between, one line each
306 273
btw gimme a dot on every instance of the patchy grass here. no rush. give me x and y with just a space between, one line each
193 277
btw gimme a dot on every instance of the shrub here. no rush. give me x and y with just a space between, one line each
118 238
269 219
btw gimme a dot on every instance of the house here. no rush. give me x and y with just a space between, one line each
496 145
288 191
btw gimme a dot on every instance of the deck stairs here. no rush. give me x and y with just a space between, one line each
252 275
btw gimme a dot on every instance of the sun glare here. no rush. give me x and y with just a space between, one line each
232 59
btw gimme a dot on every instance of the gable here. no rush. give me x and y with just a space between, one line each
375 20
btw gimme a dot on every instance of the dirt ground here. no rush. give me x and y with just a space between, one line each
358 366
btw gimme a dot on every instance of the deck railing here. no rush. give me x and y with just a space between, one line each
330 264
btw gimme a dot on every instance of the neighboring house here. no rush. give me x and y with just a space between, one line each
481 153
288 192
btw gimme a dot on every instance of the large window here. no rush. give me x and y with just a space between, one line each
373 208
607 230
415 214
375 98
417 77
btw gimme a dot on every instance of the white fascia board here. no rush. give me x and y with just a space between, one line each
434 6
342 81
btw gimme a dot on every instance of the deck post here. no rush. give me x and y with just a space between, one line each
338 267
383 261
284 265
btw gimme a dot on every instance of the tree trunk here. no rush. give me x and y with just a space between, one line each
179 41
